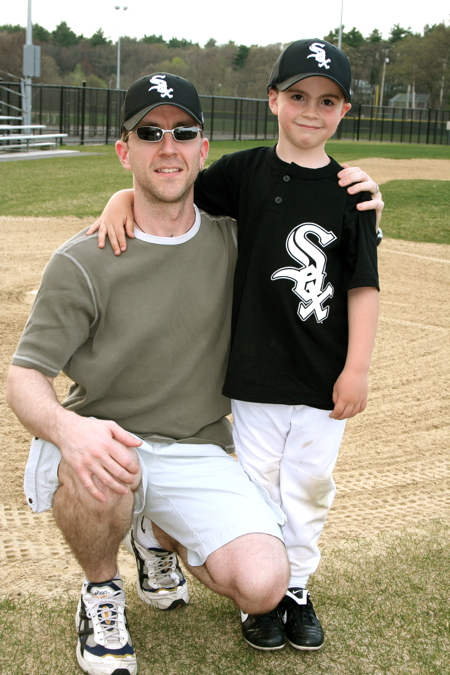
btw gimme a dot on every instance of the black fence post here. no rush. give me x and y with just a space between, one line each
235 118
107 116
83 104
266 110
61 111
382 124
212 118
428 125
256 119
240 118
358 126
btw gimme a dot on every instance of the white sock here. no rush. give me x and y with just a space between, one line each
143 532
298 582
115 577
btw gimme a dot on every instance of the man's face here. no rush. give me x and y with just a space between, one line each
164 171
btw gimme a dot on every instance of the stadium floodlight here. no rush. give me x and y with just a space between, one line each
118 50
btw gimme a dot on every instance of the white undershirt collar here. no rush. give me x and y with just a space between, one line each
170 241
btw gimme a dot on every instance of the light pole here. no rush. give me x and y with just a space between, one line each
118 51
340 26
386 60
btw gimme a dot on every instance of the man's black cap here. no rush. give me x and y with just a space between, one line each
158 89
309 58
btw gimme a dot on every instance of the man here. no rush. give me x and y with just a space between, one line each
145 341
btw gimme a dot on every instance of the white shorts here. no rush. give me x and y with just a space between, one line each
197 494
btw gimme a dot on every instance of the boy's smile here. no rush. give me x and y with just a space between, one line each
308 115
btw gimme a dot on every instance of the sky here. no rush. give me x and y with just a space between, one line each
235 20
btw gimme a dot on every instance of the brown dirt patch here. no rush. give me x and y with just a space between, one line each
394 467
382 170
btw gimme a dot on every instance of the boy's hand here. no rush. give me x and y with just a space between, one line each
349 394
116 221
360 181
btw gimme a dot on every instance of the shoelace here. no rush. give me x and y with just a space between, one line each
268 619
107 619
163 571
302 614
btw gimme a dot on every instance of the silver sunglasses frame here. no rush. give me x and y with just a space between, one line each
167 131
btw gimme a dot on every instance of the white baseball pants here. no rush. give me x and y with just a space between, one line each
292 451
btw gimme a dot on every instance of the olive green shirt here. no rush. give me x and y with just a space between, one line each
144 337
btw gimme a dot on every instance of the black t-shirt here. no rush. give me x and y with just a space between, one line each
302 245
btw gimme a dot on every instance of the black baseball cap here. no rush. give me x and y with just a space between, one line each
158 89
309 58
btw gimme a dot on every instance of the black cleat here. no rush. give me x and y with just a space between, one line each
263 631
301 625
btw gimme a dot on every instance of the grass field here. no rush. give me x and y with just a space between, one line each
383 603
81 186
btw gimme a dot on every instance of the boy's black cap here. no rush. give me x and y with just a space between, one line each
309 58
158 89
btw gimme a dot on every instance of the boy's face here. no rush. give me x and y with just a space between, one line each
308 112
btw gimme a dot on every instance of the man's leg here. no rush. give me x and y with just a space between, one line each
252 570
94 531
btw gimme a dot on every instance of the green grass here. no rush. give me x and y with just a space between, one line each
383 604
64 186
81 186
417 210
347 150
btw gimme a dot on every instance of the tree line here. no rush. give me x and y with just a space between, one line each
412 62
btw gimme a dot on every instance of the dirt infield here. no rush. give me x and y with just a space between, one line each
394 466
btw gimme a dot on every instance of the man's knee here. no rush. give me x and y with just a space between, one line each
256 568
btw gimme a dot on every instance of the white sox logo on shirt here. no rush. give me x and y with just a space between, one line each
309 278
319 54
161 86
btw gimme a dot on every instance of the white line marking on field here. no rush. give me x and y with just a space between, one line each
415 255
412 323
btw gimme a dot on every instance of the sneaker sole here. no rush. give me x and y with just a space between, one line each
304 649
91 670
264 649
164 603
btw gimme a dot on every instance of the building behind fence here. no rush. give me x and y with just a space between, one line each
91 115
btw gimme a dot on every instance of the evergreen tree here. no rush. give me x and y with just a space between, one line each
64 36
240 58
98 38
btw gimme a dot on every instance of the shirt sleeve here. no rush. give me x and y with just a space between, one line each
217 189
360 264
62 318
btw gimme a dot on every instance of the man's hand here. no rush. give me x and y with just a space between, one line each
360 181
349 394
98 448
90 447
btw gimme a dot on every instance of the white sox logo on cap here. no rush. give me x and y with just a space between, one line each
319 54
161 86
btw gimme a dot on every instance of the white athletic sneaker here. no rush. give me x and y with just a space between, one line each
104 644
160 581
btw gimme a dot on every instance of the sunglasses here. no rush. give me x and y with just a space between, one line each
155 134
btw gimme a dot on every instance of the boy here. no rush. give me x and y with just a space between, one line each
305 310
